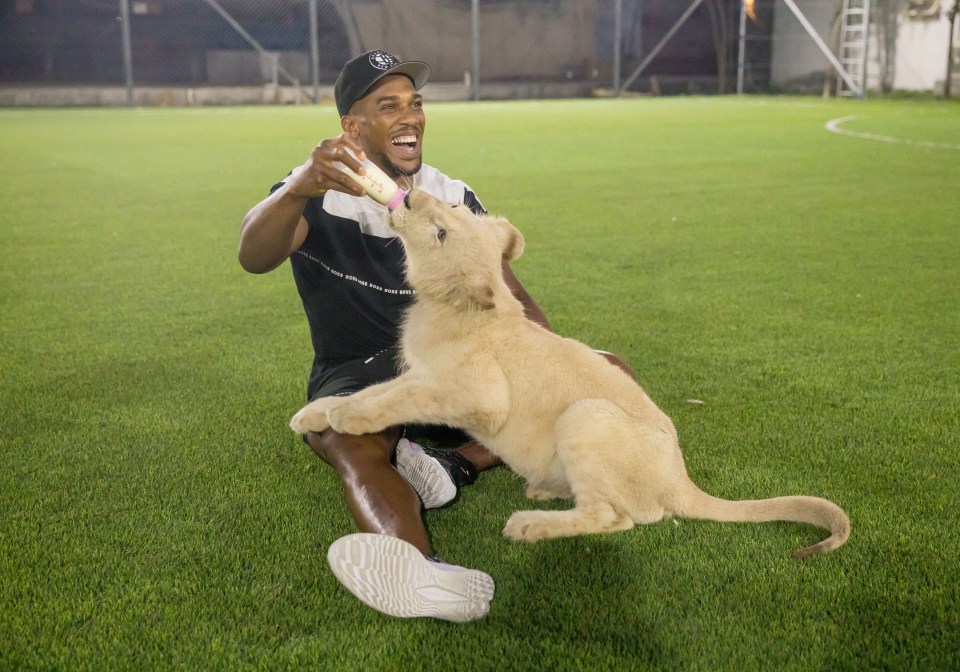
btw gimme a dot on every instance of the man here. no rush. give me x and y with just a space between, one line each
348 267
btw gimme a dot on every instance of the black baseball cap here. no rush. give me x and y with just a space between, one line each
365 70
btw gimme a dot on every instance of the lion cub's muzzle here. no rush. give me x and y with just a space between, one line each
417 199
413 201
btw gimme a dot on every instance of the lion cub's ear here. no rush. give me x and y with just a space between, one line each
511 240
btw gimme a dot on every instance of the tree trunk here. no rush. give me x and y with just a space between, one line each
720 23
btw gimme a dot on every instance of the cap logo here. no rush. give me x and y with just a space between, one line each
381 60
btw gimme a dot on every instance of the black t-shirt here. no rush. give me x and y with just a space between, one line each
349 270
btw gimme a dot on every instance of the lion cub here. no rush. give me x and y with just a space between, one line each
559 414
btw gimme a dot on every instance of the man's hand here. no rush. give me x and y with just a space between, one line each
320 173
275 228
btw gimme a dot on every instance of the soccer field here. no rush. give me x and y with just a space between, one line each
786 289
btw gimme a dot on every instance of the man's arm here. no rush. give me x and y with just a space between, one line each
530 307
535 313
274 228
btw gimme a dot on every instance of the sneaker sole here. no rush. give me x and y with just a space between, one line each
427 476
394 578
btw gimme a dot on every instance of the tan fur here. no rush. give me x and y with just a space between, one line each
559 414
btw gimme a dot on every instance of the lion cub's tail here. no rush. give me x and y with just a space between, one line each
797 509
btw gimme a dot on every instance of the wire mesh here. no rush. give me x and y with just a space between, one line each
528 48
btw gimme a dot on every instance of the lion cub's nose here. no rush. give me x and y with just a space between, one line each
406 200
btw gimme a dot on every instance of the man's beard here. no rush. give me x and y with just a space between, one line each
401 174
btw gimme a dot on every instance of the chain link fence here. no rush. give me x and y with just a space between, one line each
281 51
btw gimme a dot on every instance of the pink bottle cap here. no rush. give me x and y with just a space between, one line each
397 199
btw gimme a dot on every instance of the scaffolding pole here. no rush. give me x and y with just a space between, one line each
475 23
741 47
127 49
314 52
617 39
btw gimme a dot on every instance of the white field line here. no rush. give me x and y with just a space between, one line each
834 127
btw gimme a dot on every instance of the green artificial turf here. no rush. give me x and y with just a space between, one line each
156 513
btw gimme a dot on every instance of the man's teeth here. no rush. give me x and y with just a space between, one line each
405 140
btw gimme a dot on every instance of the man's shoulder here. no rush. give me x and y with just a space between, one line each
438 184
444 187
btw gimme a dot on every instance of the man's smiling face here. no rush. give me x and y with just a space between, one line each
389 123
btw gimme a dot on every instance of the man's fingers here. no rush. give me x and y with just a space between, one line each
326 168
351 143
347 183
349 154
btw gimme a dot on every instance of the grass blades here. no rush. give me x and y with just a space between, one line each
155 512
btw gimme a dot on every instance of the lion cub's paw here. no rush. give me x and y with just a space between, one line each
347 418
525 526
310 418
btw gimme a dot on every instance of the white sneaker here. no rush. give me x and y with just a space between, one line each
426 474
395 578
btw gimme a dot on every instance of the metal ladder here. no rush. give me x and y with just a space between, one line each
854 26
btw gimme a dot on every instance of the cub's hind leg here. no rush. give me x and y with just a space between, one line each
541 491
590 518
589 434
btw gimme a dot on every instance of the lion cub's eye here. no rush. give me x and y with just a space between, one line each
441 235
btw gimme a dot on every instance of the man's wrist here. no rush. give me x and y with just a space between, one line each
292 194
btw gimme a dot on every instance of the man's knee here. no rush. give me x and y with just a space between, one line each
616 361
345 450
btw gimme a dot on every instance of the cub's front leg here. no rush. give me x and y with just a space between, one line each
361 414
346 415
407 399
365 412
313 416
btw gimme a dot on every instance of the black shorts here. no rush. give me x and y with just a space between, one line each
347 377
352 375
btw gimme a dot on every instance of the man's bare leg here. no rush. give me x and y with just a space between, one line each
389 565
379 499
478 455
